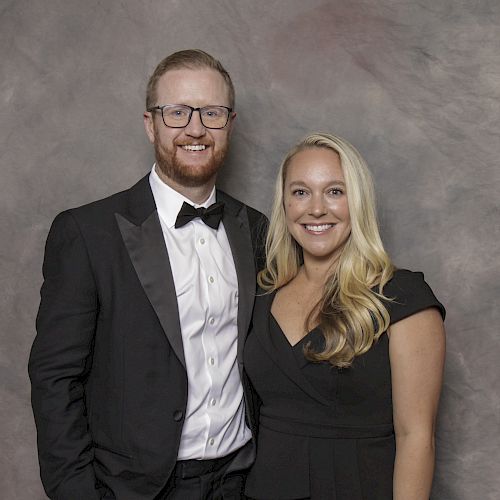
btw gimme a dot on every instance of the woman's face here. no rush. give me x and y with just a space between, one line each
315 199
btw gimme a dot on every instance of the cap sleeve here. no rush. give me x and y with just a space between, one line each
410 294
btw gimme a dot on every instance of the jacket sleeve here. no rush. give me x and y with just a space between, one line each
60 362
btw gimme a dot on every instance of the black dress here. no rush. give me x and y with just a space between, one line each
325 433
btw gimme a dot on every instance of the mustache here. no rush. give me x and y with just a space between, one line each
204 142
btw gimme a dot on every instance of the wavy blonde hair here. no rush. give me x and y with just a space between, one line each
351 313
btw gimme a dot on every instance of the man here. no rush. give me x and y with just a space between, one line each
147 296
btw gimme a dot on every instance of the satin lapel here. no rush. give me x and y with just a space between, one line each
143 237
237 228
279 349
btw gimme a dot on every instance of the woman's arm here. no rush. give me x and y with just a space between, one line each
417 350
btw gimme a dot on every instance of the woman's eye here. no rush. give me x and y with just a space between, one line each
298 192
336 192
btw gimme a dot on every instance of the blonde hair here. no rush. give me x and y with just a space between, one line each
351 313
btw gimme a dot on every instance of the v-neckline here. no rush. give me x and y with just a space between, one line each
284 334
289 358
282 331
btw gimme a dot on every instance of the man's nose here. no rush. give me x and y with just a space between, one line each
195 127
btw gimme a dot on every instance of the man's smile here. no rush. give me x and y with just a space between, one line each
194 147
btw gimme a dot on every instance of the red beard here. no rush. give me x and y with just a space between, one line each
183 174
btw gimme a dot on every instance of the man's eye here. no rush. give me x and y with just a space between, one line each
212 113
177 113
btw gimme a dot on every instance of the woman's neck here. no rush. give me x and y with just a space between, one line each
315 272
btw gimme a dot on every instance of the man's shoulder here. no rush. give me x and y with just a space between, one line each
236 205
257 223
116 202
103 211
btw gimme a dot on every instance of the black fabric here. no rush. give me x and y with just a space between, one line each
210 486
325 433
205 480
211 215
109 385
193 468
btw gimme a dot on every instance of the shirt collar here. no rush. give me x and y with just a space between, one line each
169 201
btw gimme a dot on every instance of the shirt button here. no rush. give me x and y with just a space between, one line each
211 441
211 321
202 241
211 279
212 402
178 414
211 361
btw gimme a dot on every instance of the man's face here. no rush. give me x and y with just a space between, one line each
190 156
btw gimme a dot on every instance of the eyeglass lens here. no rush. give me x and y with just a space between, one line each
211 116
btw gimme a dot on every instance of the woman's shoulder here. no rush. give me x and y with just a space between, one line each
404 279
409 293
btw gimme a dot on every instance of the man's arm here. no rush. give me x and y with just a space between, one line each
60 361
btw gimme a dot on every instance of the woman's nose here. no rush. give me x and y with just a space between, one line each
317 207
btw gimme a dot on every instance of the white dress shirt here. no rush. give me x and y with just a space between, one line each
207 295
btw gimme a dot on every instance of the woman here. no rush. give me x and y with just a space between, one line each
346 352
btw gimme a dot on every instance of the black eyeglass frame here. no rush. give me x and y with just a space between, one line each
163 106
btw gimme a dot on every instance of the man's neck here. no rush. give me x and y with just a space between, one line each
196 194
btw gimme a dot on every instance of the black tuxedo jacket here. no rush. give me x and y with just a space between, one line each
109 385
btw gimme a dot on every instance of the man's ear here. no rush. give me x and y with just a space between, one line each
231 122
149 126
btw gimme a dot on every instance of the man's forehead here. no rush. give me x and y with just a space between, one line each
191 83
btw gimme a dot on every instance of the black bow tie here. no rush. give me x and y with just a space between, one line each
211 215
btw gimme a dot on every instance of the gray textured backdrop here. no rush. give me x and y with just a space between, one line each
414 84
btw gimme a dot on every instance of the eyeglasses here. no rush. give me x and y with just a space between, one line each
179 115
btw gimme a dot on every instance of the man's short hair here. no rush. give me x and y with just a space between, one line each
189 59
